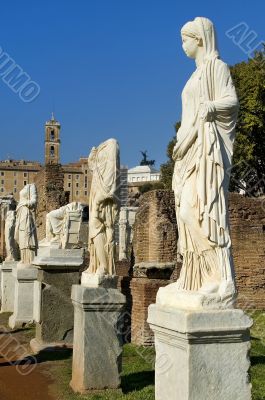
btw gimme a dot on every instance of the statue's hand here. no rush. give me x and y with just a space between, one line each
207 111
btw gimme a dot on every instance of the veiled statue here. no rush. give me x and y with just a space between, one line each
25 230
203 158
104 163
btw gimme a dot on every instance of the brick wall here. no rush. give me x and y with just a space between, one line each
247 220
155 247
51 195
155 229
143 291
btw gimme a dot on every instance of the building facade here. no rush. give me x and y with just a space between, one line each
77 180
14 175
143 173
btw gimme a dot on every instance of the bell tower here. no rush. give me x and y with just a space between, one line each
52 141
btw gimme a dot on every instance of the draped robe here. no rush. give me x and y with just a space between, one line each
103 203
203 156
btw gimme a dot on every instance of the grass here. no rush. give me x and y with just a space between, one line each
257 356
138 371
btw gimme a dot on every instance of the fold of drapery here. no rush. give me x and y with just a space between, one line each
211 166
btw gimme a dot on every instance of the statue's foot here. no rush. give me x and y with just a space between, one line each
44 242
102 271
227 289
209 288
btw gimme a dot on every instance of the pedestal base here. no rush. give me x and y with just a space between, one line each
38 345
95 280
201 354
97 351
58 271
8 286
27 297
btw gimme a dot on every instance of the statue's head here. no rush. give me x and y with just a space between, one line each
199 36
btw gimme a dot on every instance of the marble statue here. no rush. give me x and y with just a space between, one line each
25 230
104 163
11 246
63 226
203 157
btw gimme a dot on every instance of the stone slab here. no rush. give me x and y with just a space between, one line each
27 297
153 270
201 354
97 351
7 286
53 258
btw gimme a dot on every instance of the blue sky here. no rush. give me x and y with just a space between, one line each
108 68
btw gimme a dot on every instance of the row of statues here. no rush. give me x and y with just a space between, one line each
63 224
62 227
203 157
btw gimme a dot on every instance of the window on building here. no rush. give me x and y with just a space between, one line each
2 189
15 182
77 184
85 185
77 193
69 184
69 176
52 151
52 136
2 174
77 176
25 174
85 192
2 182
25 182
85 171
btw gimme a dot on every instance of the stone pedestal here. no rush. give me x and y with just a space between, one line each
201 354
8 286
27 296
58 270
97 353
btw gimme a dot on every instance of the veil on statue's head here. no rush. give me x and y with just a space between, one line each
203 28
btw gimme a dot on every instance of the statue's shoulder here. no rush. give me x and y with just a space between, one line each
221 65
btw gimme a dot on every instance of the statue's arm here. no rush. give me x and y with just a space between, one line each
226 100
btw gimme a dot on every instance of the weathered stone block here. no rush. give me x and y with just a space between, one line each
56 275
97 350
27 296
8 286
201 354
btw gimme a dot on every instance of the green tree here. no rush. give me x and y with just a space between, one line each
248 169
249 148
168 168
151 186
